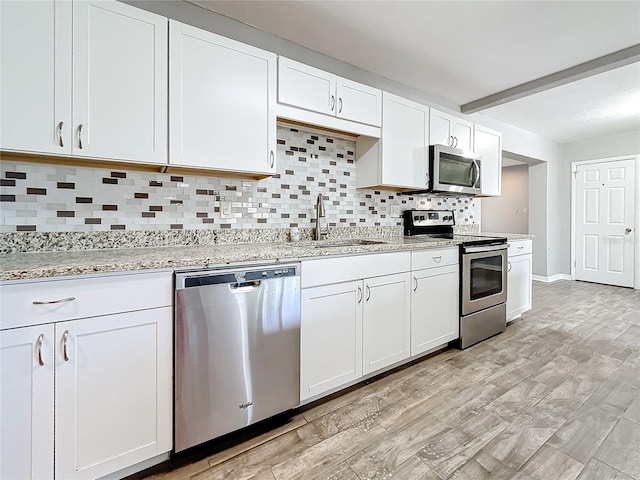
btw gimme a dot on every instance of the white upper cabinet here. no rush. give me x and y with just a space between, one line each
313 89
35 77
488 143
445 129
222 103
399 158
117 108
119 82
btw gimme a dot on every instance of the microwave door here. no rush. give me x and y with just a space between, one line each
456 174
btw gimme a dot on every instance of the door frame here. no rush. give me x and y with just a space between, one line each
636 248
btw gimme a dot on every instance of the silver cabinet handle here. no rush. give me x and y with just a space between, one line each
437 259
450 141
48 302
509 268
455 144
339 104
520 247
80 136
271 158
416 284
359 294
60 141
427 179
65 340
39 349
627 231
333 102
368 293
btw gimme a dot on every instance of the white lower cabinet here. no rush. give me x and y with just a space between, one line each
435 309
330 337
386 317
103 384
519 277
357 325
26 402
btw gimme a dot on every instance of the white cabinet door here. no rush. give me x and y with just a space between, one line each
222 99
306 87
26 402
434 308
330 337
462 134
519 285
405 126
358 102
119 82
488 143
113 395
440 128
35 76
386 321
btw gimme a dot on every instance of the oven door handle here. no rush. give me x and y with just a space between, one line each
485 248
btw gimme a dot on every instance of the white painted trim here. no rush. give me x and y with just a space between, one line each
574 168
319 120
552 278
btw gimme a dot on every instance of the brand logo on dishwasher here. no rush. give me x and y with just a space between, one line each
244 406
240 277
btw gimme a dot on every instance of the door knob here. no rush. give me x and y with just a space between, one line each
627 231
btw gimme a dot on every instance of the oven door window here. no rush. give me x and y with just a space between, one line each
486 276
454 170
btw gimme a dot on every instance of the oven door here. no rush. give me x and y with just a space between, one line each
454 171
484 278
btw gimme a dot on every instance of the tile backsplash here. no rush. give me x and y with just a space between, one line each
50 198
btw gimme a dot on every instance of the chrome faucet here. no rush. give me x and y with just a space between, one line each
317 233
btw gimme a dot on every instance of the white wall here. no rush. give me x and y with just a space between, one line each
508 213
538 216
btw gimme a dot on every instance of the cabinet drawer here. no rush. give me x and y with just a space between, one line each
87 297
436 257
323 271
519 247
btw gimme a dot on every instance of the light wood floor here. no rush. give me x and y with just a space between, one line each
556 396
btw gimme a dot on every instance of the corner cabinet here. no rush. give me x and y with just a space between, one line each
91 360
445 129
519 278
306 87
488 143
355 319
435 310
399 158
219 90
106 59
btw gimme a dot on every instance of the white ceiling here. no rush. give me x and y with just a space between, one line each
462 51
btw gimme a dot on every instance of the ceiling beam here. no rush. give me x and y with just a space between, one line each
612 61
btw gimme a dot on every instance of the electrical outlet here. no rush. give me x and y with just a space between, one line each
225 209
395 210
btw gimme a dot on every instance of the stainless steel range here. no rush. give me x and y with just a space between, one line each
483 273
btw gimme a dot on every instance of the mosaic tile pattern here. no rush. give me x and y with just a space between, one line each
50 198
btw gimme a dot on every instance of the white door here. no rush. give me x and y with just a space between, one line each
405 127
435 314
119 82
605 230
26 402
222 102
462 134
306 87
488 143
35 76
330 337
113 393
386 321
358 102
519 273
440 127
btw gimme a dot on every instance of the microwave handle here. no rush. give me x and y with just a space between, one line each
477 170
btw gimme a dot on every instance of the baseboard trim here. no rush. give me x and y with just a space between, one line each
552 278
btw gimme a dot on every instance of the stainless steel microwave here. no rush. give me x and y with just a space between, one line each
454 171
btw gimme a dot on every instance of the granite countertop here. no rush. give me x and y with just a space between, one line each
25 266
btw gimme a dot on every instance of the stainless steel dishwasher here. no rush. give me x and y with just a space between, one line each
237 349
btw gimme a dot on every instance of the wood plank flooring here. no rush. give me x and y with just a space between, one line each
556 396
